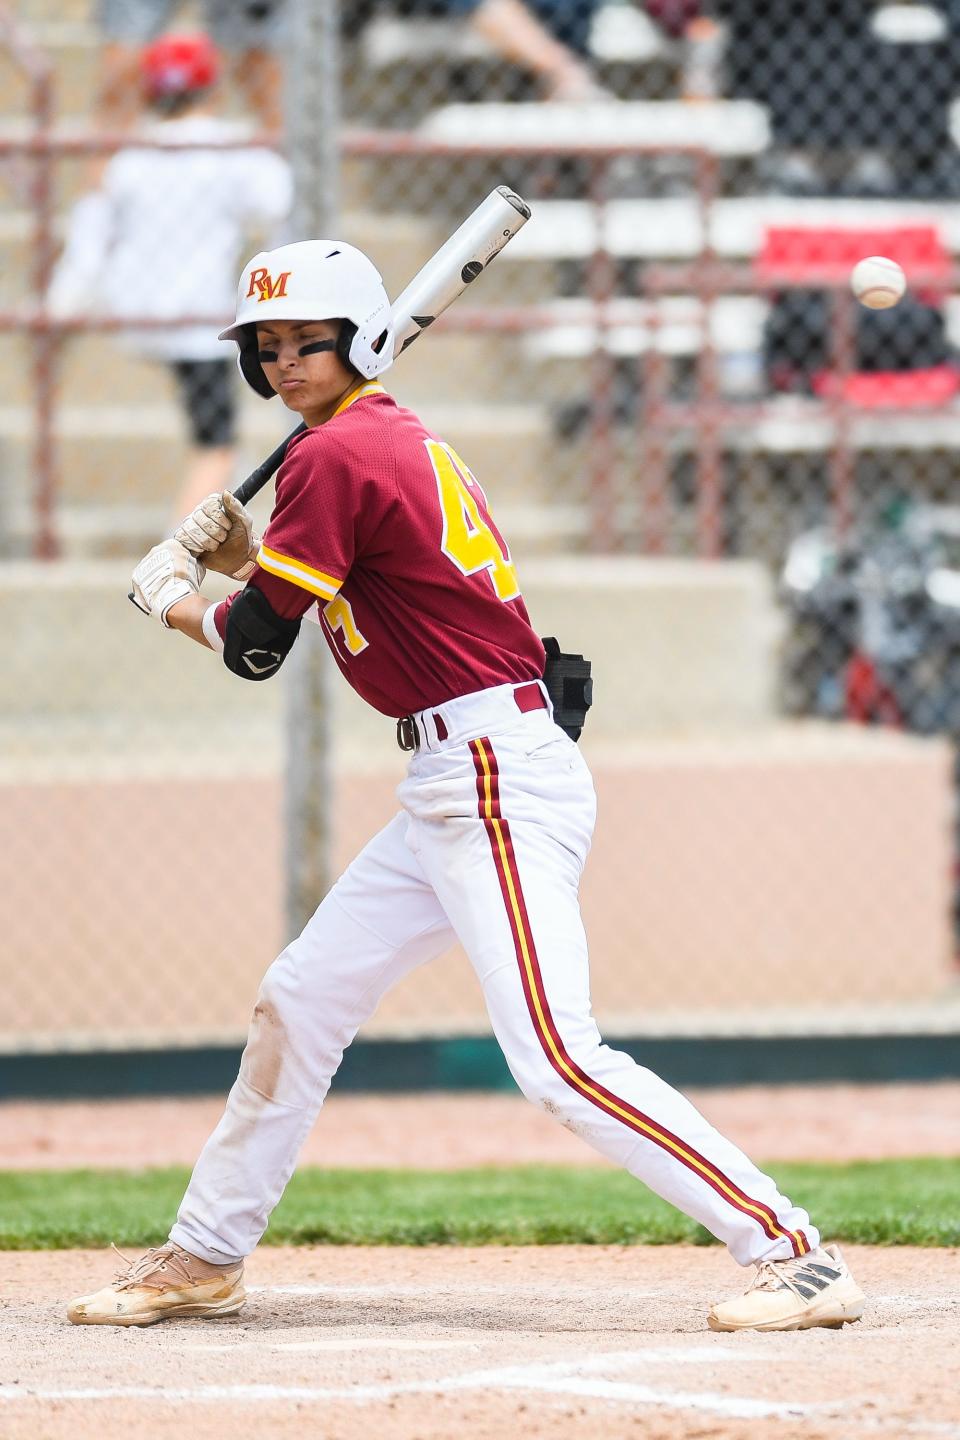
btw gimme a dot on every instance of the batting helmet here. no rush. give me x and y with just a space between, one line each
314 280
178 65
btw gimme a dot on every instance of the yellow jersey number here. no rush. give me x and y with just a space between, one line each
467 538
338 615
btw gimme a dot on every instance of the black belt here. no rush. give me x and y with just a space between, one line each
408 733
527 697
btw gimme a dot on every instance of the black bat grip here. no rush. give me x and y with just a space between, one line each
256 480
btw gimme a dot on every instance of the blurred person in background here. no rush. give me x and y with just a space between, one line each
249 33
162 233
858 91
547 38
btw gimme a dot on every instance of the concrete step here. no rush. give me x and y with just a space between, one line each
38 13
125 531
120 468
111 454
71 43
444 365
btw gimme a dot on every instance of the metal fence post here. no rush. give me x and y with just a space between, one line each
313 123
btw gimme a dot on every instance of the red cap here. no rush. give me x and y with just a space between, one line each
178 64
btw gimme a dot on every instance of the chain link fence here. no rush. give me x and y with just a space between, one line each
721 478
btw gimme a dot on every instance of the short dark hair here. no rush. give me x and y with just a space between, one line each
172 106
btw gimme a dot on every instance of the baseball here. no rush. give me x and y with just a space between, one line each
878 282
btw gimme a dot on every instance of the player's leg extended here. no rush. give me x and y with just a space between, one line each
379 921
509 884
510 889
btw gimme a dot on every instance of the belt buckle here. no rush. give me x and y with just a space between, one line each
408 737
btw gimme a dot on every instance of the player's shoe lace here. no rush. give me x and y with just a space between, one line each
804 1275
159 1257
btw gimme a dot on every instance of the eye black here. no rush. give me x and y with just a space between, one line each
312 347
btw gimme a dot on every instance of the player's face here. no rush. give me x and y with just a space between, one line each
312 385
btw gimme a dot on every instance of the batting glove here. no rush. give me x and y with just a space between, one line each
221 530
167 574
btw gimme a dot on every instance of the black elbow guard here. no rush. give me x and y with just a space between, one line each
257 640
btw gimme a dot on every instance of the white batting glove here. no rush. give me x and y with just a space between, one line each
167 574
221 530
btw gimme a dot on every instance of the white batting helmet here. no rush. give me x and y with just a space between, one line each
314 280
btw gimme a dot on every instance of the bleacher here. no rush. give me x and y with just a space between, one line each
731 128
672 228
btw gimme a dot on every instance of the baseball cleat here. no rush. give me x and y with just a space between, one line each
816 1289
165 1282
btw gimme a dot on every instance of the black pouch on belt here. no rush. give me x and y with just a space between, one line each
569 685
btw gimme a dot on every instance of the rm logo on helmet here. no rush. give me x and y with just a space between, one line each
269 288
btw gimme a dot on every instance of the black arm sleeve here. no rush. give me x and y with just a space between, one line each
257 639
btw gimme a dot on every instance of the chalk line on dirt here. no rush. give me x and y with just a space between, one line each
558 1378
486 1380
589 1377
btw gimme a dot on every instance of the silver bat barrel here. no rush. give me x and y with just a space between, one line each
457 264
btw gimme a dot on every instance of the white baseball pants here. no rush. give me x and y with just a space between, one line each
488 848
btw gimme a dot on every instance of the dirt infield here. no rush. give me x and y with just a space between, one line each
426 1344
810 1122
549 1343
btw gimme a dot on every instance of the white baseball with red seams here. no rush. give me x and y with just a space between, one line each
877 282
495 826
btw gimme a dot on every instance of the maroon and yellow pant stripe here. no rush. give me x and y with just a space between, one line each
504 858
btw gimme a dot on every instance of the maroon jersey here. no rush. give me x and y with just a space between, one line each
380 524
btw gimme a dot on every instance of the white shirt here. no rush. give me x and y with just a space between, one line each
164 235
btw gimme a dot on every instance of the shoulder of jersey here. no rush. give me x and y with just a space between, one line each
347 433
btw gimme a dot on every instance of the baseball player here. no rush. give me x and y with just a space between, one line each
381 535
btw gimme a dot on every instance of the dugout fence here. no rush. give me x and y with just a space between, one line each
715 484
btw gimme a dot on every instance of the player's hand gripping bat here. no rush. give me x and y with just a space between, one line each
432 290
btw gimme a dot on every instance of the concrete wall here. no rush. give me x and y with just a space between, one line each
741 868
677 646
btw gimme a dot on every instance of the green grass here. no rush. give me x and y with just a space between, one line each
893 1202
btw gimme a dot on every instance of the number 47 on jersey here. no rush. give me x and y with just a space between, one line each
470 538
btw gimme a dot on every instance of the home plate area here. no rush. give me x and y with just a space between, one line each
422 1344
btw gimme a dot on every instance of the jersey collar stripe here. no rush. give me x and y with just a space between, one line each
318 583
504 857
372 387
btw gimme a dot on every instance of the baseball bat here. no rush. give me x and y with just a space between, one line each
432 290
